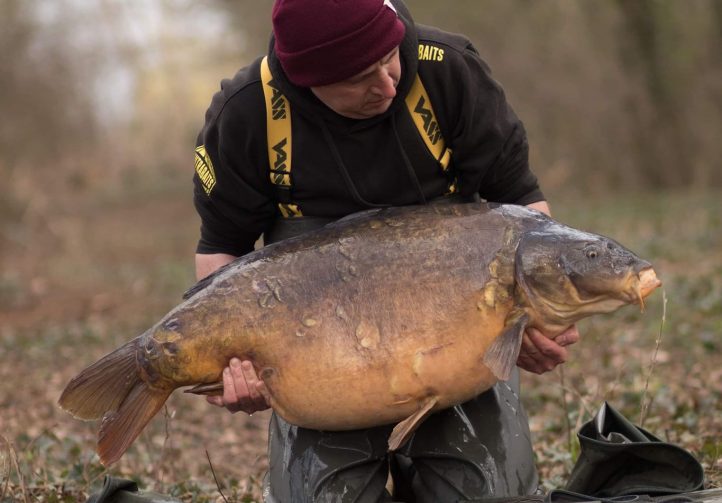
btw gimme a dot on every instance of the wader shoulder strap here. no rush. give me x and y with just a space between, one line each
278 135
422 113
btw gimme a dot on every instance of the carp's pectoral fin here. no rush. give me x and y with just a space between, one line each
402 432
501 356
212 389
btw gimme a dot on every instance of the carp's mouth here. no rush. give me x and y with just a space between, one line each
644 284
572 302
638 285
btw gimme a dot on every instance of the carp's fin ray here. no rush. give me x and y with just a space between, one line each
211 389
502 354
121 427
357 215
203 283
402 432
103 386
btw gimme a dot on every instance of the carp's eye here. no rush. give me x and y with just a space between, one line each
172 325
592 254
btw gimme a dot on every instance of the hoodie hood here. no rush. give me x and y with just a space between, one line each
304 102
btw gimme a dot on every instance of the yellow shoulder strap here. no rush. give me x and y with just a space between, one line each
422 113
278 134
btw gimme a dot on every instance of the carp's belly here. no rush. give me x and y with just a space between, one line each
330 398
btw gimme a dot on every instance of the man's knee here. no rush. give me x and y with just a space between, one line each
315 466
448 479
360 484
365 483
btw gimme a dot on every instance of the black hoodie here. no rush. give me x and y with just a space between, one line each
343 165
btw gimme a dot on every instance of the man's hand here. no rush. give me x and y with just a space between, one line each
242 389
539 354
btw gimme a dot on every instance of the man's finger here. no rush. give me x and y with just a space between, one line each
528 349
547 347
531 365
215 400
251 378
568 337
230 393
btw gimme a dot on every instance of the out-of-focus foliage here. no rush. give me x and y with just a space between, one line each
624 94
613 93
43 95
621 94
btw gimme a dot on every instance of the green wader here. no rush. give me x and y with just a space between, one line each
476 449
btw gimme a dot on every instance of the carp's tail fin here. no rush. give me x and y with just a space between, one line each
112 389
103 386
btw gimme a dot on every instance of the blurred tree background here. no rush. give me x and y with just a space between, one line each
615 95
101 103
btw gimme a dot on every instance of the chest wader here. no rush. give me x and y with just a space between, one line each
478 448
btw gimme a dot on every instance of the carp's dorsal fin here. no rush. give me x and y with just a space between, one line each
203 283
501 356
358 214
402 432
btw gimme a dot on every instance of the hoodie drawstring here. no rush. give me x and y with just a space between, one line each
344 172
407 162
347 178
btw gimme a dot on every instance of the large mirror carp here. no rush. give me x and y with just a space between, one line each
379 318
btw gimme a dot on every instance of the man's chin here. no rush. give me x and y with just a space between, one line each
377 107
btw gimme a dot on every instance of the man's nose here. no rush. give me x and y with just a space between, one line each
385 84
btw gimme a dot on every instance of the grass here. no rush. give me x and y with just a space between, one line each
88 272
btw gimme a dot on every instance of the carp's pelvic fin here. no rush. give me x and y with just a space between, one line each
212 389
501 355
402 432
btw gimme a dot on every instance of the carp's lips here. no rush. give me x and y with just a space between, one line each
646 284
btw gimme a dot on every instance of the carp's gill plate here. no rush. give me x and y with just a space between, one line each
381 317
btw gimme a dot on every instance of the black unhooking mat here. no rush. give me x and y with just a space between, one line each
117 490
619 462
618 458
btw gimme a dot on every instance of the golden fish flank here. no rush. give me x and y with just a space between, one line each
341 313
493 292
309 322
431 314
490 293
269 292
368 335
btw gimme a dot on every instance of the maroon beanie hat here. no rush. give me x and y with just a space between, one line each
321 42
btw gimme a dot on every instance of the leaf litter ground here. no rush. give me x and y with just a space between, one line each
79 280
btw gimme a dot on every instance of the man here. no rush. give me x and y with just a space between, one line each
342 76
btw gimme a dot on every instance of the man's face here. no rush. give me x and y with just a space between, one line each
366 94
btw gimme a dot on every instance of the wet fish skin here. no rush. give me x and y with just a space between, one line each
382 316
